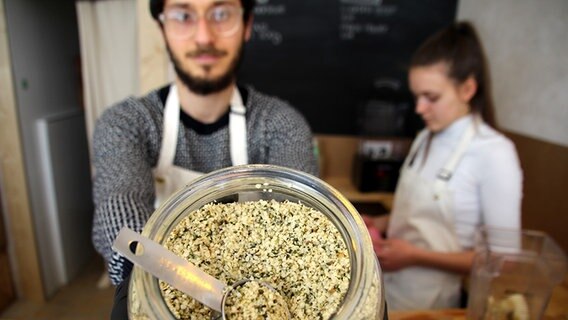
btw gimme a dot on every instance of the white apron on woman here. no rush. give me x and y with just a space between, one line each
422 215
169 178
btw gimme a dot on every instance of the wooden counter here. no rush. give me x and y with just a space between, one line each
457 314
347 188
557 309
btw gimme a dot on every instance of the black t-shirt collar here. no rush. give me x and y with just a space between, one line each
196 125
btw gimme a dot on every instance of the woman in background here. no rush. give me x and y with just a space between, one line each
459 174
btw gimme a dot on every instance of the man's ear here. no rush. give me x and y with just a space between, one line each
248 28
467 89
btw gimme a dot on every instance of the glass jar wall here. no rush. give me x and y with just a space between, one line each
364 298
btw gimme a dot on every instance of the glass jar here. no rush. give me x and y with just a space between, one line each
364 298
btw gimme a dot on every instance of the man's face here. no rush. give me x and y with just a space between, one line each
205 50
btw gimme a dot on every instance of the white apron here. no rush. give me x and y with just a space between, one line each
423 215
168 178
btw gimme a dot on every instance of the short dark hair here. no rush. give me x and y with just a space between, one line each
157 6
459 46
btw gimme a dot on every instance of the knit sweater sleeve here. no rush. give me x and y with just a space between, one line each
288 137
123 187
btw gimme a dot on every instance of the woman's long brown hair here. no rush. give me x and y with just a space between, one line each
460 48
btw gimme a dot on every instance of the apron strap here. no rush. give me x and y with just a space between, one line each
447 171
238 129
170 130
414 148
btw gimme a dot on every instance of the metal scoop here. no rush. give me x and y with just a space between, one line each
181 274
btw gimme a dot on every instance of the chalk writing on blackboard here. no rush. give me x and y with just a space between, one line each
263 31
340 61
360 16
270 10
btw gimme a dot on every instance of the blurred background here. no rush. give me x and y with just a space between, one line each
63 62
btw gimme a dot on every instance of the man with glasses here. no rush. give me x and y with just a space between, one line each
146 148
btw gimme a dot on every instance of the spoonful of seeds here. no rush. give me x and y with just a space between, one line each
244 299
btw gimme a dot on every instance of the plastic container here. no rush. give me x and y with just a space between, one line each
365 296
514 273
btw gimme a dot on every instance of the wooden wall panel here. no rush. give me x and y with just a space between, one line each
545 187
13 182
7 294
336 155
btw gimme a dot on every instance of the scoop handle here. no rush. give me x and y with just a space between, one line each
166 266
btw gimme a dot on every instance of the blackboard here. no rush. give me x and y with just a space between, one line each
340 61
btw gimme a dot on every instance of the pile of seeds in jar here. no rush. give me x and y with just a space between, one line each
293 247
253 300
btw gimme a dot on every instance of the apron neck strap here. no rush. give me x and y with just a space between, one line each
415 147
238 129
447 171
170 130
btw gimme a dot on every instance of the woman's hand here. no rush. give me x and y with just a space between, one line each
379 223
375 232
396 254
393 254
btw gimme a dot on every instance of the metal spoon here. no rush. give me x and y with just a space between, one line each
178 272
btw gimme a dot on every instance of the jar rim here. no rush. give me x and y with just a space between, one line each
274 180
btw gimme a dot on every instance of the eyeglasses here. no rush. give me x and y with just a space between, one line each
224 20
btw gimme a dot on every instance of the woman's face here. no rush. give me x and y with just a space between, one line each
439 100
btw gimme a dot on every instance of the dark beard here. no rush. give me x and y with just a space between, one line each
203 86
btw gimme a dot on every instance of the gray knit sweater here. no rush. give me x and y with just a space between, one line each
126 146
